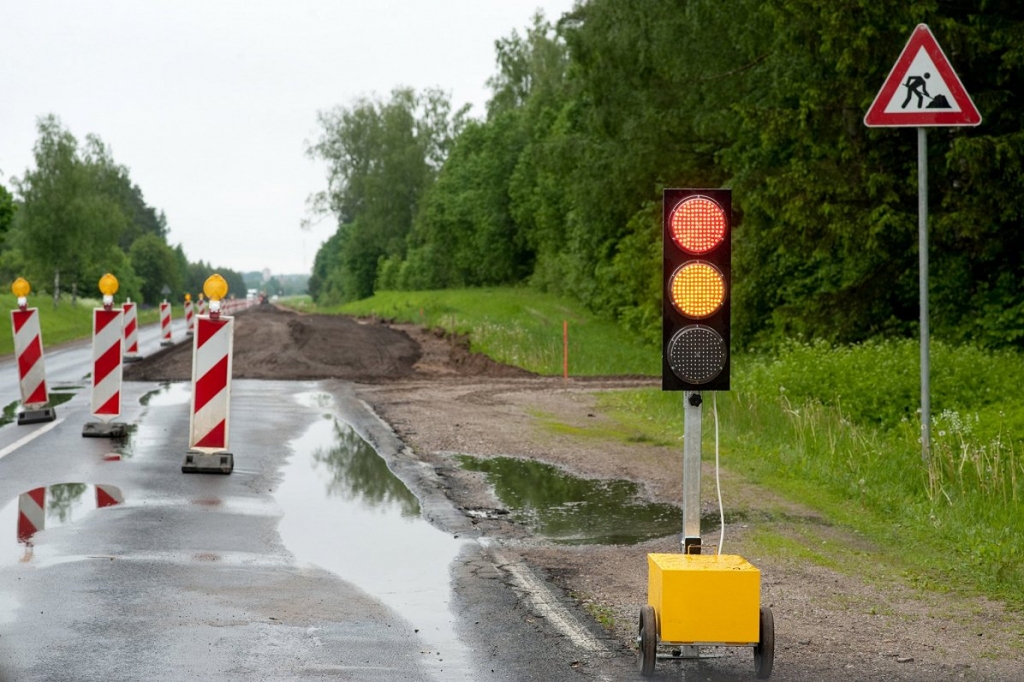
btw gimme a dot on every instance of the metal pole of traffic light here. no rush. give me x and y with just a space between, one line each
692 411
922 230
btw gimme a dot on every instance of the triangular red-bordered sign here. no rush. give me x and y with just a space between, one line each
922 89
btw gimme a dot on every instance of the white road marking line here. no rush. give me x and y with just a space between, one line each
25 440
546 604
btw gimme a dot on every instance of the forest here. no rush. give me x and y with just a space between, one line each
77 214
558 185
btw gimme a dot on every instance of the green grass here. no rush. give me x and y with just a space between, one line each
951 522
834 428
61 324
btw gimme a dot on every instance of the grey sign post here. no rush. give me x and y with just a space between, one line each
922 91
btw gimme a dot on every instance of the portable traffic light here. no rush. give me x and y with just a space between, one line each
696 289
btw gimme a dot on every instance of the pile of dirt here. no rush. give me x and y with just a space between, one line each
277 343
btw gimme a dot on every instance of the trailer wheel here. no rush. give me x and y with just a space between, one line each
647 640
764 652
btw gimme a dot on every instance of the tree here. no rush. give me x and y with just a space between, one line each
116 262
67 222
156 265
6 211
464 234
198 273
381 156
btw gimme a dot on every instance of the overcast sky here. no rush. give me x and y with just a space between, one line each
210 103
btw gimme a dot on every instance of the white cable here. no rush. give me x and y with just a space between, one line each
718 482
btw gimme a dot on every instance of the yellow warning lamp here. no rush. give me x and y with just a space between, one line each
696 278
21 289
108 287
188 297
216 288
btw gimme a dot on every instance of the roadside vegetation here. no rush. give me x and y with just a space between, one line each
65 322
834 427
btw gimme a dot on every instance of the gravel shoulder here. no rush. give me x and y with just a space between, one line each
839 612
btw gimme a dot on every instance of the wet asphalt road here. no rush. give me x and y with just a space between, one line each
310 561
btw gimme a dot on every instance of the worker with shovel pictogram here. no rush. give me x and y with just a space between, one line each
917 87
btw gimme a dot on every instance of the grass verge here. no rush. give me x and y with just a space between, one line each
64 323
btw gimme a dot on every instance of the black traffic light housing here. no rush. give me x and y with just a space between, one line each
696 289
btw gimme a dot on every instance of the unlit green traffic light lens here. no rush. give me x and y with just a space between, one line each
697 354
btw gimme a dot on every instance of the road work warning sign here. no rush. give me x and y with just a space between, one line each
922 89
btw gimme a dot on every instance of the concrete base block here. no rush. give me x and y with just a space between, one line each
45 414
208 462
167 343
105 430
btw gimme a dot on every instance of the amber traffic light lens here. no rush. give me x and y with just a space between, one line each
697 289
698 225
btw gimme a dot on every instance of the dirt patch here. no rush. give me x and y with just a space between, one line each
834 619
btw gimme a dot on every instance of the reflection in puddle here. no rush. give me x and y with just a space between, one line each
40 509
169 393
153 430
346 512
356 474
10 413
59 398
571 510
8 606
54 398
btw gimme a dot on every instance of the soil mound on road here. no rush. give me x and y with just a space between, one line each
278 343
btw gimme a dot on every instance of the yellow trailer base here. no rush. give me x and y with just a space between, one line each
705 600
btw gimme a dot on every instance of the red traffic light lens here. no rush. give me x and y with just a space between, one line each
698 224
697 289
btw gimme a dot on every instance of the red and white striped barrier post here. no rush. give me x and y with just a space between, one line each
211 387
107 344
108 496
28 349
189 315
204 305
165 324
131 331
31 514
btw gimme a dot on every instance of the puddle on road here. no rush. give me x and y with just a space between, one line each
574 511
25 519
40 509
10 411
153 430
169 393
346 512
